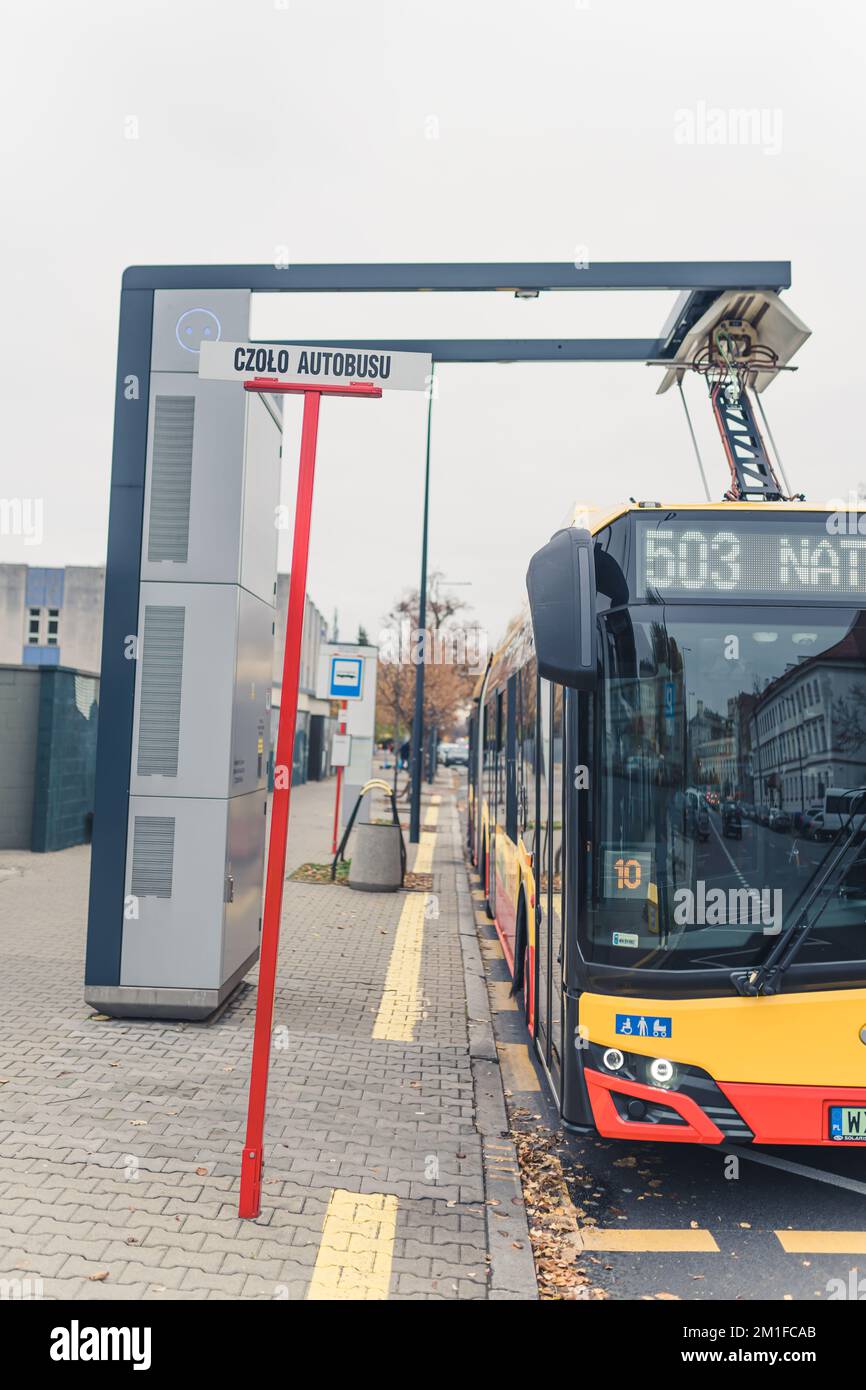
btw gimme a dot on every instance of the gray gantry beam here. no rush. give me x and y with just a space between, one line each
698 282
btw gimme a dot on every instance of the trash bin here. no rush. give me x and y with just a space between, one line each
377 865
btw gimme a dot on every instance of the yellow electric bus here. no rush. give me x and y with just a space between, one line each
649 750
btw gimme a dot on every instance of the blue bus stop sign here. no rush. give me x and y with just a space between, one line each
346 678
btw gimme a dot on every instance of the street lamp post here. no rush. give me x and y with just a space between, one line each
421 649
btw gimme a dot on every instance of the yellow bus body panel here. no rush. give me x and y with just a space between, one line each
787 1039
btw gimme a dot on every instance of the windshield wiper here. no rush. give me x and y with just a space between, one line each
766 977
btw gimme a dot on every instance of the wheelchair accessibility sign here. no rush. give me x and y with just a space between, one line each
642 1026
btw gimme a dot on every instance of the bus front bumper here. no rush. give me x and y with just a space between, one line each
717 1112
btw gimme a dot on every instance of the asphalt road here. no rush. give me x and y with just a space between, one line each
740 1213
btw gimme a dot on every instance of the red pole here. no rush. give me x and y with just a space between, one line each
251 1162
342 730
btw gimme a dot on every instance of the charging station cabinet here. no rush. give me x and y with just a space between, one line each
179 824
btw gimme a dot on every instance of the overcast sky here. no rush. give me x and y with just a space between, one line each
450 131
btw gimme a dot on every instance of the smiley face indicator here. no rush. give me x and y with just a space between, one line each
195 327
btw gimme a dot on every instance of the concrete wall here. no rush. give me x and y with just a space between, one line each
13 588
65 771
48 721
19 721
81 617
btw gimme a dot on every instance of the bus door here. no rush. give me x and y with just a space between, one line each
548 860
556 906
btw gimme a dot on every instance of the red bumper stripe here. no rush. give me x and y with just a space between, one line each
790 1114
698 1129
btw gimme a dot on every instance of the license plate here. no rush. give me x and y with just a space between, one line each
848 1123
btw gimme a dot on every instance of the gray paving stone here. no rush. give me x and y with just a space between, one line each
104 1124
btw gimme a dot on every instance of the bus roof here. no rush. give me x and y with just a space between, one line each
594 519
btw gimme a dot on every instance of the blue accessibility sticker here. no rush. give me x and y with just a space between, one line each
643 1026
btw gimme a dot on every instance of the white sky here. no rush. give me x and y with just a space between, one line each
308 124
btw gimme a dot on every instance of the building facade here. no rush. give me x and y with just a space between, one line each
808 731
51 617
315 723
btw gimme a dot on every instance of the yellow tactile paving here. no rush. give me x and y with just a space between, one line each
400 1007
595 1238
518 1073
357 1247
423 861
823 1242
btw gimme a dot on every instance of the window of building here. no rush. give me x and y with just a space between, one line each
34 616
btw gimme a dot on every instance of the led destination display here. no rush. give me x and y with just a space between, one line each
681 558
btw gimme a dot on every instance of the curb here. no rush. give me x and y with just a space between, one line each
512 1267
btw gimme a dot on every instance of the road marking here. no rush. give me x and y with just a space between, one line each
503 1000
357 1247
736 868
801 1170
400 1006
518 1072
423 862
823 1242
594 1238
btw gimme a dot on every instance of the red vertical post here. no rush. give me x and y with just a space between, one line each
341 728
251 1163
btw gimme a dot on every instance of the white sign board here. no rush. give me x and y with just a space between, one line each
341 750
346 680
311 366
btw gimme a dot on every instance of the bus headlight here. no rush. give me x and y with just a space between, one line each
613 1059
661 1071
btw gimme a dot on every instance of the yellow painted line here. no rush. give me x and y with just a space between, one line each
423 861
357 1247
518 1073
500 993
594 1238
400 1006
823 1242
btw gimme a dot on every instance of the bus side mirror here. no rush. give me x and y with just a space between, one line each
560 582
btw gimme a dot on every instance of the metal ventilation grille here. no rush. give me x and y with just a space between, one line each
152 856
161 674
171 479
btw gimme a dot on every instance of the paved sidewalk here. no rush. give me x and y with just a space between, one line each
388 1172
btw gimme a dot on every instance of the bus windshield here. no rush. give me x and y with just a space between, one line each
722 745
